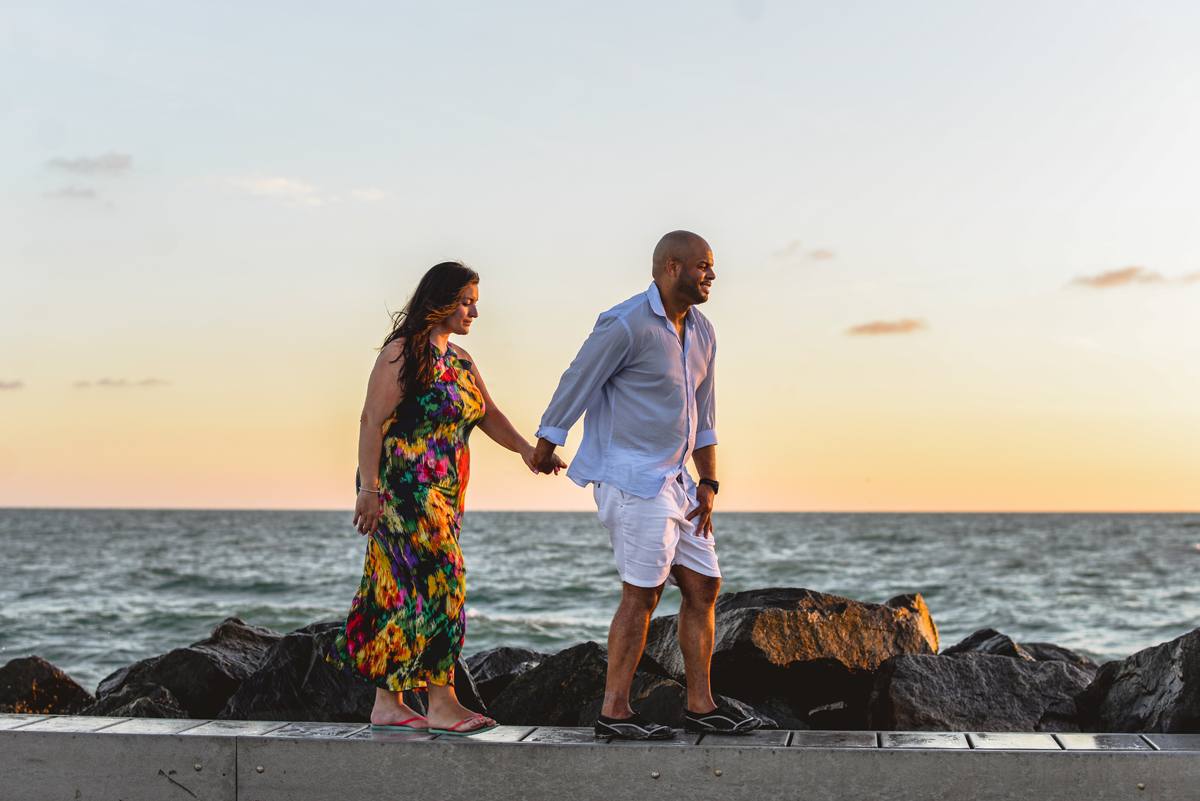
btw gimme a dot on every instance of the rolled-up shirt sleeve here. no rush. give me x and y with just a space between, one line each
603 354
706 405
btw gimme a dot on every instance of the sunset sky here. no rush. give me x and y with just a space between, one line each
957 249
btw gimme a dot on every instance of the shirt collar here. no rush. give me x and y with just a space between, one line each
655 299
656 304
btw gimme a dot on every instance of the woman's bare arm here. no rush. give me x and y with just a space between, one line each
383 396
497 426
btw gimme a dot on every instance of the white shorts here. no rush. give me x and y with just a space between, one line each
650 535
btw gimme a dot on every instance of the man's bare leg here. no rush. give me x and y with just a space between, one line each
696 632
626 639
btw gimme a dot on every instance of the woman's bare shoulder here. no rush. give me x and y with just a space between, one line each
392 351
461 352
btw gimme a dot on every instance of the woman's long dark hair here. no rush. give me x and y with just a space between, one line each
436 297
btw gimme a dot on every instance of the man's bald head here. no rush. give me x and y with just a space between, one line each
683 246
683 269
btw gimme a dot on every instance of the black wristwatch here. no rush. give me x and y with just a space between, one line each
711 482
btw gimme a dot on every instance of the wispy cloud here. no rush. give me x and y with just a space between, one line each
1131 276
1123 277
368 194
289 190
797 252
11 384
121 382
108 164
74 193
880 327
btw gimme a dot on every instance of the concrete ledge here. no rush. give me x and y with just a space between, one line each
114 758
46 757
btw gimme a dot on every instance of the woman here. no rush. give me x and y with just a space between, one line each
406 624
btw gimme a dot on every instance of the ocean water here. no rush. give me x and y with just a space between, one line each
93 590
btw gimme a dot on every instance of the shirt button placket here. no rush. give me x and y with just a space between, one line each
689 395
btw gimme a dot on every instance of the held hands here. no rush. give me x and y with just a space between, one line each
368 508
703 511
542 459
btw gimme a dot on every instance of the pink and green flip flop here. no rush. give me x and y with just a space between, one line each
402 725
455 730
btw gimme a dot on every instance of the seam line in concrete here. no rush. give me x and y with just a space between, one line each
195 725
110 725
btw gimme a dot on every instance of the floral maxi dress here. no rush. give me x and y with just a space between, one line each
407 621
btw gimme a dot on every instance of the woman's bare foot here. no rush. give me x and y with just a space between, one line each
445 712
390 710
469 722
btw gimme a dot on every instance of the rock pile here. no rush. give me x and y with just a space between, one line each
494 670
804 655
196 681
295 682
796 658
987 682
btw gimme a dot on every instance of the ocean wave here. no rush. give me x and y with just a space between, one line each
536 623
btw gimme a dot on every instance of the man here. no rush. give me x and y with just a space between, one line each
645 378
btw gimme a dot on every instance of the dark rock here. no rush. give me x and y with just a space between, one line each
137 700
655 698
988 641
554 692
768 721
837 716
494 670
465 688
1093 696
296 682
149 708
79 703
134 673
204 675
975 692
1155 690
779 710
811 649
1049 652
31 685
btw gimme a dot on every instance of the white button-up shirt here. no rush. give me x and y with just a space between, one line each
649 397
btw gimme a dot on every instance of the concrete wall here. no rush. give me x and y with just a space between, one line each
111 759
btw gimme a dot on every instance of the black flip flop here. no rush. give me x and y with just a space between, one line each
633 728
722 720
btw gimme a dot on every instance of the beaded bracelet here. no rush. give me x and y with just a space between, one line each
364 489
